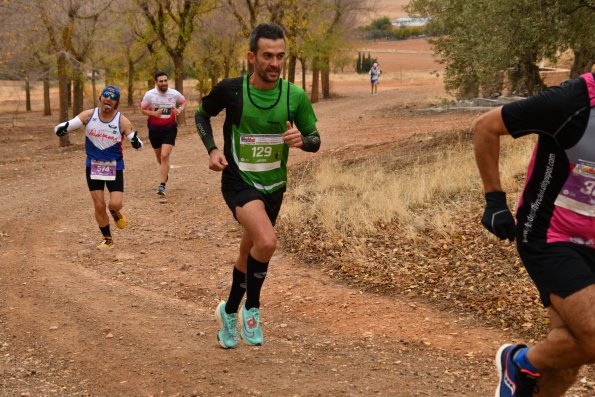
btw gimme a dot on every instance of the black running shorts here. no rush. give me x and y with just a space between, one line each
112 186
160 137
558 268
238 194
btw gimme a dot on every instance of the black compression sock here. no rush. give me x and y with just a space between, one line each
238 289
105 231
255 275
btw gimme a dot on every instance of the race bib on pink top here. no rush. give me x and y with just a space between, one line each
578 192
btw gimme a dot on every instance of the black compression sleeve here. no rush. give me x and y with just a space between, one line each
204 129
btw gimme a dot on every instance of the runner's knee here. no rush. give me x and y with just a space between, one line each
564 339
585 340
99 206
115 206
266 244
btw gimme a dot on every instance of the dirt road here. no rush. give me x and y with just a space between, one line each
138 320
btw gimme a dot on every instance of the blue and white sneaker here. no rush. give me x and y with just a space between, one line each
251 332
514 380
228 334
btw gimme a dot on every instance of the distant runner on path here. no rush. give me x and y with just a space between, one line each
162 104
554 231
375 73
105 127
258 132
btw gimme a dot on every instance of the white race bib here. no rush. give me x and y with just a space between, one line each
103 170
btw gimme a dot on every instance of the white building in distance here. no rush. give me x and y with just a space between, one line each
409 21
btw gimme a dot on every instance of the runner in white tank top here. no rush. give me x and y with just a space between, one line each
104 129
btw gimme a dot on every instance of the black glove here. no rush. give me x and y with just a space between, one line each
497 217
62 129
136 142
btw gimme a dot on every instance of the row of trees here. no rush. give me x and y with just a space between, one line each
364 63
382 28
482 38
129 39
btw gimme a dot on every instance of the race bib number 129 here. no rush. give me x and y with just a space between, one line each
260 152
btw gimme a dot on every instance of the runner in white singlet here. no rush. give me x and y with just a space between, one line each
104 129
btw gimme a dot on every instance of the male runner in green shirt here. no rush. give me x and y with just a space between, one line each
261 110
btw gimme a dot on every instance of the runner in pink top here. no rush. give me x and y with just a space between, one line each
162 104
554 229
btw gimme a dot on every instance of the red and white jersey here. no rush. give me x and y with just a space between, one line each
155 99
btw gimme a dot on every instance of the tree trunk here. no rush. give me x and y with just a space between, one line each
64 95
78 87
303 62
284 69
47 109
27 94
226 68
583 62
179 76
315 81
531 77
291 68
326 79
69 91
94 75
130 84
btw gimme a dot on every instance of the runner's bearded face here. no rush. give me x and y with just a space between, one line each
268 59
162 83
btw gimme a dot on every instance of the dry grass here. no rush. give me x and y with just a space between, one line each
406 220
348 198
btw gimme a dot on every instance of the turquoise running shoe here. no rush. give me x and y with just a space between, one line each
251 332
228 334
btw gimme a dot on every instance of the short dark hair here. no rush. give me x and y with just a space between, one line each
160 73
265 30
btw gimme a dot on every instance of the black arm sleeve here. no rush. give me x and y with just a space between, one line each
204 129
210 106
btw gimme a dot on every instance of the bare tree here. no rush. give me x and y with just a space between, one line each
217 48
147 38
246 13
131 48
173 23
64 21
340 15
23 48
